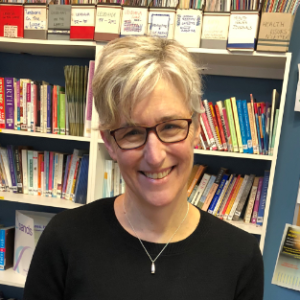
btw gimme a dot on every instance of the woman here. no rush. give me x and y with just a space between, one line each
148 243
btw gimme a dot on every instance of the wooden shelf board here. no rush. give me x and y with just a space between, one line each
12 278
38 200
233 154
84 49
46 135
251 228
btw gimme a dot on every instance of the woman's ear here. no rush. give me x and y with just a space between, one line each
110 144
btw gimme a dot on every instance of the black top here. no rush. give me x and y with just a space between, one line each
85 253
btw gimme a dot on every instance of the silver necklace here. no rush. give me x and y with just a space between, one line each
153 260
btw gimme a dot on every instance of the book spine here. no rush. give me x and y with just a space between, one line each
232 199
2 103
78 164
67 167
215 125
89 101
201 187
19 171
58 109
30 171
46 173
220 201
242 126
25 171
261 132
211 124
50 182
267 120
67 115
54 110
39 185
217 194
206 191
15 105
71 174
49 109
231 125
204 131
252 129
24 126
18 106
45 111
211 139
60 174
247 126
229 138
227 200
35 172
34 106
43 187
38 107
256 139
62 114
9 103
55 175
257 199
250 204
237 124
10 152
238 198
262 202
29 105
199 172
274 132
258 129
2 249
41 108
221 126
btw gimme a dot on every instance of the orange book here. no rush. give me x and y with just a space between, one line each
230 196
198 172
232 200
40 161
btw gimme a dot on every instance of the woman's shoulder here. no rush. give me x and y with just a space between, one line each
84 216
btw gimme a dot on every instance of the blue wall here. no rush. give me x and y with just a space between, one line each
216 88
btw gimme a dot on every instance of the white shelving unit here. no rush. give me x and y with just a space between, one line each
213 62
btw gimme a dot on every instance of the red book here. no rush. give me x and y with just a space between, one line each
82 22
222 134
2 104
11 20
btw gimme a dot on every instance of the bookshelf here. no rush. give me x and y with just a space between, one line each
214 62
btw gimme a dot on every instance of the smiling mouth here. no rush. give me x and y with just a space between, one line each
159 175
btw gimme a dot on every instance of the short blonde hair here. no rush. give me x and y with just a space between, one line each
130 68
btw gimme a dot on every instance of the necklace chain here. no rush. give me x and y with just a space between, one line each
153 260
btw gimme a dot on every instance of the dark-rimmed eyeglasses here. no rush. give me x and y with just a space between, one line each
132 137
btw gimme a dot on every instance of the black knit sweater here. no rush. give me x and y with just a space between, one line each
85 254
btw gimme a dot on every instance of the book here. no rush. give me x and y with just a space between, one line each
197 175
206 191
12 21
9 102
205 125
237 124
222 195
256 202
250 205
227 103
215 124
222 128
274 132
201 187
245 117
80 195
242 126
253 129
263 198
2 103
7 238
59 20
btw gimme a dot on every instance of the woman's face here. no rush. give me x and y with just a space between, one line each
139 166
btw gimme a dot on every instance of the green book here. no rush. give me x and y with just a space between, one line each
228 108
237 124
274 131
62 114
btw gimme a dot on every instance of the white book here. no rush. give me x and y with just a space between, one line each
35 173
116 180
201 187
55 175
75 158
238 198
275 105
24 171
5 167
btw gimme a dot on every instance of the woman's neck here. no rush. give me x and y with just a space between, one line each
156 224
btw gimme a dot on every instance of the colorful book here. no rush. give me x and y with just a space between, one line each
237 124
242 125
250 205
200 169
227 103
221 125
7 238
257 199
206 191
9 102
2 103
247 126
253 129
263 198
201 187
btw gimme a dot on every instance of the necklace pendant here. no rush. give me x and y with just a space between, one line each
153 268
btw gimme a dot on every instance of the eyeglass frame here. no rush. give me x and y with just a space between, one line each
190 120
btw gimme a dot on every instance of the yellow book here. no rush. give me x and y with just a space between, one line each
237 124
235 193
252 129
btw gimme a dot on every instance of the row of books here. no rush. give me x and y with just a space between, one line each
104 23
285 6
47 173
37 106
229 196
238 126
113 182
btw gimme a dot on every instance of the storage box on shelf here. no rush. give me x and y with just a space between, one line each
213 61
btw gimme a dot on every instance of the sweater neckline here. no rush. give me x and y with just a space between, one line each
124 236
